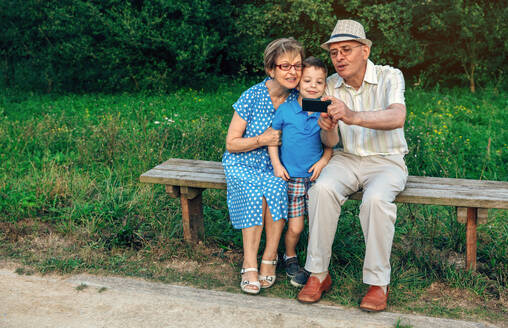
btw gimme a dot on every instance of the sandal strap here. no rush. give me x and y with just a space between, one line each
244 270
274 262
252 283
266 278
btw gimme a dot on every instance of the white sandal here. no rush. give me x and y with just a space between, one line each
269 279
246 283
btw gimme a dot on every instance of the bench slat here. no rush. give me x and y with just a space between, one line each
176 167
451 198
475 192
190 179
192 163
482 184
423 182
443 197
419 190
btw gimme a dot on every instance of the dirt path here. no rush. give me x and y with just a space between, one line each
94 301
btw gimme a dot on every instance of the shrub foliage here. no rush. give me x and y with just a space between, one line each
91 45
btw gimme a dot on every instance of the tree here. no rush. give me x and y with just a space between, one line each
467 34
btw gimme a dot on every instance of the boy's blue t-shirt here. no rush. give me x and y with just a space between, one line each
301 141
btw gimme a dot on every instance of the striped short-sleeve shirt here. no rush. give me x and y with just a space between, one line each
381 87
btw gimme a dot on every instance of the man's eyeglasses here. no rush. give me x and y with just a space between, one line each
287 67
344 51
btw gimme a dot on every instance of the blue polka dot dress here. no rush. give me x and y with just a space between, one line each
249 175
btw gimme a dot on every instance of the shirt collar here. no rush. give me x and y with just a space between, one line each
370 75
298 109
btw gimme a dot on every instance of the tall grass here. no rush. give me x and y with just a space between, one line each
72 162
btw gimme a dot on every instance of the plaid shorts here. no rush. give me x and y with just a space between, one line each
297 196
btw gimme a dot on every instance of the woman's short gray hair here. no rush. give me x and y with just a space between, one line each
278 47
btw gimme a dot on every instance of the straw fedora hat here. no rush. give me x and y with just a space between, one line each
347 30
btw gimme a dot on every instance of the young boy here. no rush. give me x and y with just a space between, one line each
302 156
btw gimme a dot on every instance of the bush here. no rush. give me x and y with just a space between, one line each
112 45
163 44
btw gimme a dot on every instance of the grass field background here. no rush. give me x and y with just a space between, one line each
70 198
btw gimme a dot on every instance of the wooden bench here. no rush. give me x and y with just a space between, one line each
472 198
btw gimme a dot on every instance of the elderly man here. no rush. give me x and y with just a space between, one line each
368 109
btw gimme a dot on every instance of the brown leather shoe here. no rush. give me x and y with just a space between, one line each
375 300
313 289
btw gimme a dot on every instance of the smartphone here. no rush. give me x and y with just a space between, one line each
315 105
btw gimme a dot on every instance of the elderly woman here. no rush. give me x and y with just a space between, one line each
256 198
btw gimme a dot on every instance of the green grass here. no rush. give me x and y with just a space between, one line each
399 324
71 201
23 271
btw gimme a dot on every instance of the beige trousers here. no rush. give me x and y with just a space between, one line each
381 178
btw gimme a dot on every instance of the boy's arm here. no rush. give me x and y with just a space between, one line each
327 154
278 169
319 165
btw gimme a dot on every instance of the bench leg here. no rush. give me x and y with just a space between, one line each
472 215
192 218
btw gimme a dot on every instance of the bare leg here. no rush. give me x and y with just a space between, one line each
273 231
251 237
295 228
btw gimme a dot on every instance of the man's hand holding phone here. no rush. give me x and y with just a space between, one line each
338 110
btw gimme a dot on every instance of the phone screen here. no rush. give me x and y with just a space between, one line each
315 105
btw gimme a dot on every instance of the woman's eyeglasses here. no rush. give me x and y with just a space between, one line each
287 67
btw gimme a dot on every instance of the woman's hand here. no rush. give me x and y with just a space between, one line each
235 142
270 137
280 172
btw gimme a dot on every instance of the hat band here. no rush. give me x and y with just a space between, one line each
348 35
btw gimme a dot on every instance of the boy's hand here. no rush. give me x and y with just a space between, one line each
325 122
280 172
317 168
